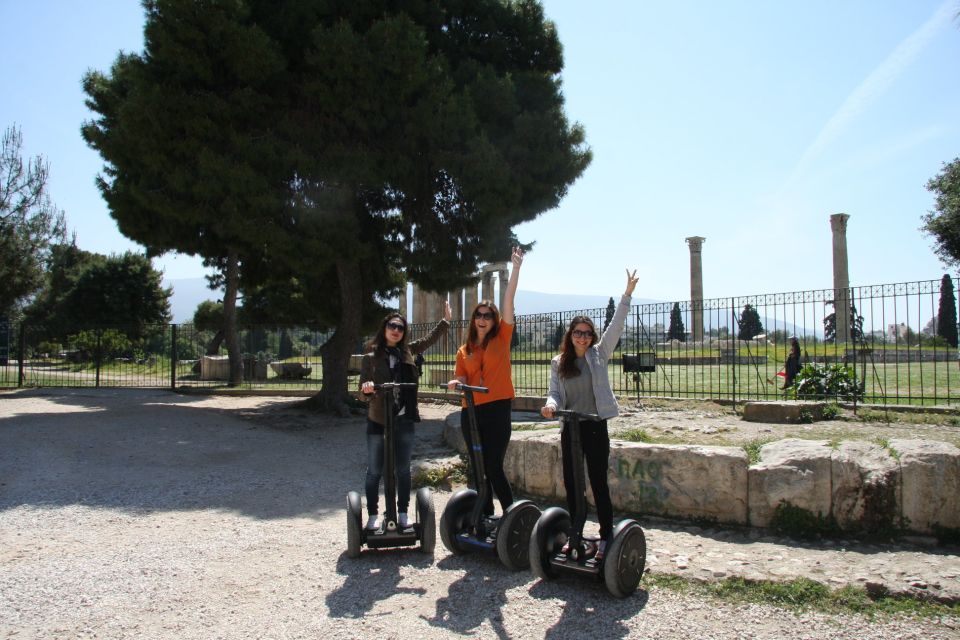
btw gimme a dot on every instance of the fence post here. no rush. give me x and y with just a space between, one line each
21 352
173 357
733 360
97 356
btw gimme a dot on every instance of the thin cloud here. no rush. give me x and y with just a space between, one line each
875 85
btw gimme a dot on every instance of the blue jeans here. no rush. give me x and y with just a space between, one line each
403 437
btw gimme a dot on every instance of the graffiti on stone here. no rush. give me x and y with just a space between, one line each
644 480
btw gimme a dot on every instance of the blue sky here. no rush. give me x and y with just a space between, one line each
748 123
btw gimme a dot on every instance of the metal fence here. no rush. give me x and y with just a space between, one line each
886 338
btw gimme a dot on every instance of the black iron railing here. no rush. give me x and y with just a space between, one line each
886 337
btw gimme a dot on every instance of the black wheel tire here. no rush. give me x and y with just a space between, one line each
354 517
625 559
546 540
455 518
428 520
513 534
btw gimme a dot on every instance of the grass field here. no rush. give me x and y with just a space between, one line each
904 383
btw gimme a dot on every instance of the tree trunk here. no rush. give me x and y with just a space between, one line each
230 320
214 347
336 352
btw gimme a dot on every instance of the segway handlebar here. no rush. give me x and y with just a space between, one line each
387 386
567 413
466 387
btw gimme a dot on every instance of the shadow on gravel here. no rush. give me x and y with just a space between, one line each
149 450
372 577
589 611
479 595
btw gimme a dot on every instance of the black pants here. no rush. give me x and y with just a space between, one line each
494 426
595 442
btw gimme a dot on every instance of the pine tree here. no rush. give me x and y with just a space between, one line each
676 330
750 324
947 312
343 146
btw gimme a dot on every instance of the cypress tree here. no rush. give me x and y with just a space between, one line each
676 330
947 312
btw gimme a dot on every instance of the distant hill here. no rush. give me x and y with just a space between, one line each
528 302
189 292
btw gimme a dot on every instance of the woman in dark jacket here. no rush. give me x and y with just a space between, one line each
392 359
792 366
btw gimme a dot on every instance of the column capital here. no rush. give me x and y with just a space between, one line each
696 243
838 222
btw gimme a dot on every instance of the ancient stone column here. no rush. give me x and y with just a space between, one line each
841 277
470 300
486 292
696 286
421 305
502 275
402 302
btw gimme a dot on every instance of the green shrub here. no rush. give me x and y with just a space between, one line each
819 382
797 522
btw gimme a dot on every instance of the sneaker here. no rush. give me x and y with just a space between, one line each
403 521
373 522
601 549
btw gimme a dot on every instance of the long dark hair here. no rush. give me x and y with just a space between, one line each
472 332
379 341
568 354
794 347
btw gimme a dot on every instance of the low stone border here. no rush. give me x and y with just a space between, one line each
909 485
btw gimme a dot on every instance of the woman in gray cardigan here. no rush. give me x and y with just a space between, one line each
579 382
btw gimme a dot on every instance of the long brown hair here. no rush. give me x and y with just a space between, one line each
568 354
472 332
379 341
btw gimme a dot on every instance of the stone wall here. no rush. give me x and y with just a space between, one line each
860 486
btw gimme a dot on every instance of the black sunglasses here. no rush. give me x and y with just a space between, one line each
576 333
396 326
483 315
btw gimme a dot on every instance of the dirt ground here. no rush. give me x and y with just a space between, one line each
146 514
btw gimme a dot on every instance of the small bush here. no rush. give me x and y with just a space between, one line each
635 435
819 382
442 477
753 450
797 522
831 411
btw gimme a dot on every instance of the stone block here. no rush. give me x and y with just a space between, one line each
543 468
794 471
215 368
866 483
683 481
930 478
783 412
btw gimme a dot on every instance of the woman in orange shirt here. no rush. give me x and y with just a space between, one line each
484 360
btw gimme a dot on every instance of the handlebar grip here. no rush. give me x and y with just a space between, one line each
466 387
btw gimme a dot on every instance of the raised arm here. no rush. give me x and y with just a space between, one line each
419 346
506 314
608 341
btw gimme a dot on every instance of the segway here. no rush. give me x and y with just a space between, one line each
389 533
621 566
463 526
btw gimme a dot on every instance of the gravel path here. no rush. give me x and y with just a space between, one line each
144 514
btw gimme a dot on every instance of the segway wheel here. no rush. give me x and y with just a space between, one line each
354 516
513 534
455 518
546 540
428 520
625 559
